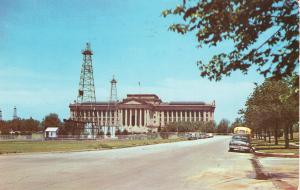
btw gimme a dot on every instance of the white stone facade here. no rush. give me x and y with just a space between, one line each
141 113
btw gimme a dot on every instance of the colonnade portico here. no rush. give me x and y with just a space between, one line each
136 117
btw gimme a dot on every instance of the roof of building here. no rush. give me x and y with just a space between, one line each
143 95
52 129
96 103
186 103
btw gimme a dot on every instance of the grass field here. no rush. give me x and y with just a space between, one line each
73 145
265 146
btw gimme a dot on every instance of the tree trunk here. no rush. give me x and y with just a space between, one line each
291 132
276 135
269 135
286 137
265 134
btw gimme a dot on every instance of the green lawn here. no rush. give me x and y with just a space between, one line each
73 145
265 146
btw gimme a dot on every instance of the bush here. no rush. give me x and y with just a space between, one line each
100 132
108 133
125 132
164 135
118 132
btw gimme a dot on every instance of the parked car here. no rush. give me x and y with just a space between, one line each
240 143
210 135
202 136
191 136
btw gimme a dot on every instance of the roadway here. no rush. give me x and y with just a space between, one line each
200 164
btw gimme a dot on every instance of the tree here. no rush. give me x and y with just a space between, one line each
223 126
125 132
243 23
51 120
31 125
209 127
272 107
238 122
4 128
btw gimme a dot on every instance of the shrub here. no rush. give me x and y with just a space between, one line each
125 132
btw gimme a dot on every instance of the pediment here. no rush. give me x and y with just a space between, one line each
133 102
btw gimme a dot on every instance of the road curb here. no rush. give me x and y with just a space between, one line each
257 153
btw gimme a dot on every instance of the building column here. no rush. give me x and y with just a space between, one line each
208 116
145 117
148 118
195 116
125 110
162 118
135 117
181 115
116 114
186 116
140 120
172 116
167 115
130 117
212 115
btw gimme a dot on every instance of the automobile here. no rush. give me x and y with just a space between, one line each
201 136
210 135
240 143
191 136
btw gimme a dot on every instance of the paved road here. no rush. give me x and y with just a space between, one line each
201 164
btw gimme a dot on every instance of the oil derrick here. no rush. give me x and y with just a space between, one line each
113 91
86 91
15 113
0 115
113 99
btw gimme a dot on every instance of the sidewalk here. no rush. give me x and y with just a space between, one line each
284 172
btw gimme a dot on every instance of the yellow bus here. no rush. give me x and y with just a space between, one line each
242 130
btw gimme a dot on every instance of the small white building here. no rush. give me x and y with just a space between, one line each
51 132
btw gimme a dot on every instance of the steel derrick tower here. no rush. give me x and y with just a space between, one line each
15 116
113 90
86 91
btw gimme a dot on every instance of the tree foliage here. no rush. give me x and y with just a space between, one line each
22 126
243 22
208 127
223 126
272 106
51 120
238 122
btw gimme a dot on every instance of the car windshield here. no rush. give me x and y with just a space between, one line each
240 138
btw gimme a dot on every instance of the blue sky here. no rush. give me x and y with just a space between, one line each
40 59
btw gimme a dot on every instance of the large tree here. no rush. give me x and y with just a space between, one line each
223 126
51 120
272 107
245 24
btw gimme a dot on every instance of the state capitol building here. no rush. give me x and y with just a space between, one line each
140 113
